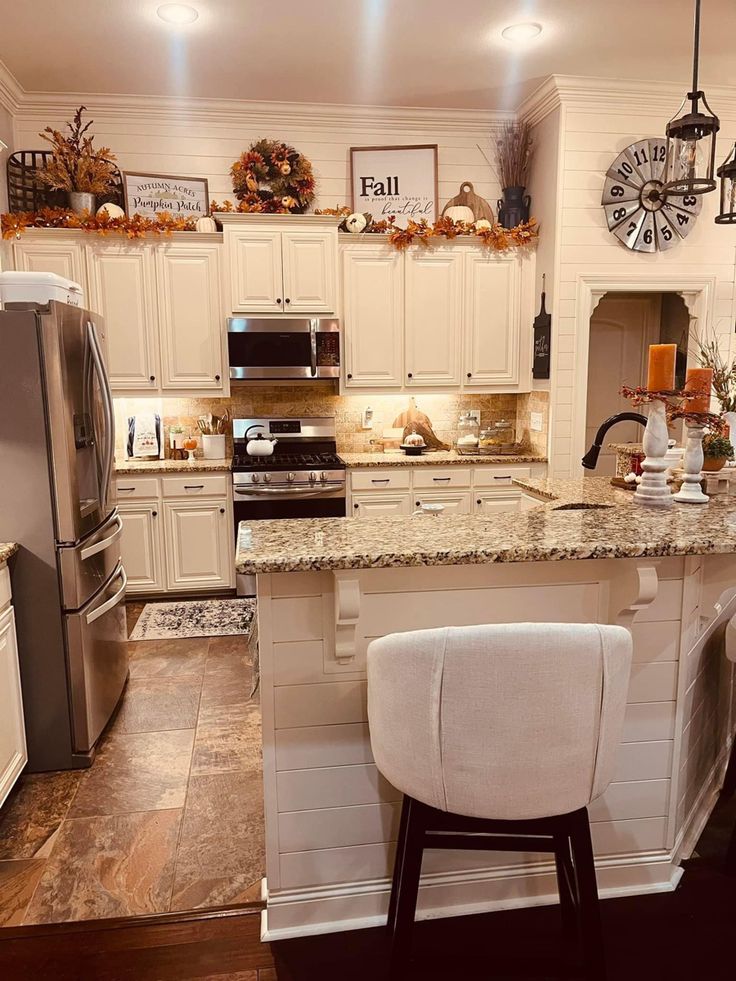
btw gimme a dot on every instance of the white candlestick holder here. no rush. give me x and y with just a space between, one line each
691 491
653 490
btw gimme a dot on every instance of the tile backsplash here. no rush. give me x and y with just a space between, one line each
256 399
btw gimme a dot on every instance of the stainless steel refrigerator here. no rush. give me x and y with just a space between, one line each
57 499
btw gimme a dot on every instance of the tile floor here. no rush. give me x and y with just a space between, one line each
170 815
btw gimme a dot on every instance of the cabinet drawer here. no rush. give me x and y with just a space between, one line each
380 505
4 587
493 502
131 488
460 503
196 485
498 476
438 478
399 479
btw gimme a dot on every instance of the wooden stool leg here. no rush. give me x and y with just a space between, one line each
591 933
408 890
398 864
729 781
565 886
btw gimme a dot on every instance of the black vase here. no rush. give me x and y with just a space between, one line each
513 208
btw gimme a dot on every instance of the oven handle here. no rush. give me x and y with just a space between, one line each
287 491
313 346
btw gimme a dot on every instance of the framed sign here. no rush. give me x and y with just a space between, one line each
147 194
395 180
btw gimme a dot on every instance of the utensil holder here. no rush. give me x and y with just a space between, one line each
213 447
653 490
691 491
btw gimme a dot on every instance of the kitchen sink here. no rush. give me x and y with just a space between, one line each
582 506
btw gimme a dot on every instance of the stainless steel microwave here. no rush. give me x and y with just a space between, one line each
283 347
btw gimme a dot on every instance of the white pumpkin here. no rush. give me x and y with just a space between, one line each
111 210
356 223
483 223
460 213
206 224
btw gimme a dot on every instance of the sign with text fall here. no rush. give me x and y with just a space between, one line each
148 194
395 180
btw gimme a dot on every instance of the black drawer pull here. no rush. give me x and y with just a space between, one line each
506 476
126 488
380 480
193 486
439 480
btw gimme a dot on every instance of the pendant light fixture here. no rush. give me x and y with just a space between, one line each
727 174
691 137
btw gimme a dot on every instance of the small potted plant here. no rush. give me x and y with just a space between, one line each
709 355
76 166
513 157
717 450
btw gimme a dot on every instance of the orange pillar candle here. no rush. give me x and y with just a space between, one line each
661 372
698 381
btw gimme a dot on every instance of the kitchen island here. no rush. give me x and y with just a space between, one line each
581 551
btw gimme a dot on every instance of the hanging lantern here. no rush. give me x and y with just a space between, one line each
691 137
727 175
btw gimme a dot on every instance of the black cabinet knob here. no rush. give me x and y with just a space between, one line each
152 378
356 506
154 514
417 504
470 374
287 300
278 300
217 378
410 375
479 501
222 510
349 375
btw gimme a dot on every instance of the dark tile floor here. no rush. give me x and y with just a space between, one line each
151 826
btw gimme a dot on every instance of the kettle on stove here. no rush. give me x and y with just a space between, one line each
260 445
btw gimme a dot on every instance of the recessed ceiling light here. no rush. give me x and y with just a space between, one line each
177 13
521 32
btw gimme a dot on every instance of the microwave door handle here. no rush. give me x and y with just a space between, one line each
313 346
107 408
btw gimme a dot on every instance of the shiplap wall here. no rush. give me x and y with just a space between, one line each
590 140
207 146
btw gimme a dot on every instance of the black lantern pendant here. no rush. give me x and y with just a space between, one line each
727 174
691 138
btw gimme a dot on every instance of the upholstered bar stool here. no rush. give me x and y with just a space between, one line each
729 783
499 737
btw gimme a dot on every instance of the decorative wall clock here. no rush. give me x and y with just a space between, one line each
637 212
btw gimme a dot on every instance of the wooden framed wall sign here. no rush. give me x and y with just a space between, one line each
395 180
147 194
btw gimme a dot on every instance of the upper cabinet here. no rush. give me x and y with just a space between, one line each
278 270
449 317
162 302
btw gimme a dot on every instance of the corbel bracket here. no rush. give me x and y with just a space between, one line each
347 612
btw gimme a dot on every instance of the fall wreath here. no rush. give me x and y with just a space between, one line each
274 178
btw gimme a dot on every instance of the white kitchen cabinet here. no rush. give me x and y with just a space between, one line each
256 273
373 316
62 257
199 545
13 755
192 317
459 502
433 304
489 502
122 289
492 324
142 547
379 504
310 271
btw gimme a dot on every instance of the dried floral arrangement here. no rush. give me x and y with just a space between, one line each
14 224
75 164
513 152
493 237
274 178
675 402
708 355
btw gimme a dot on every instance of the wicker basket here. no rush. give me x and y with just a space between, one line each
27 193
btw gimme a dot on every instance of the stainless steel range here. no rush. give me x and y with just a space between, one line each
303 477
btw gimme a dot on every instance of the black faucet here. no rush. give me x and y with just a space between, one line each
591 457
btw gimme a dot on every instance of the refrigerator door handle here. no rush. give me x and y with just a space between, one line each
107 407
113 601
104 543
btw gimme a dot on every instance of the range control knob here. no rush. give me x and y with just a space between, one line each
267 478
312 477
323 476
254 478
290 476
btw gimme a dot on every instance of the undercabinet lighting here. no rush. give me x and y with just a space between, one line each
521 32
177 13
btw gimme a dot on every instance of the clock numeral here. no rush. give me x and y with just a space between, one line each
619 214
641 157
666 232
659 153
625 170
682 219
633 225
690 201
648 236
616 191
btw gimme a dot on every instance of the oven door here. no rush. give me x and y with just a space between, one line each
256 504
283 348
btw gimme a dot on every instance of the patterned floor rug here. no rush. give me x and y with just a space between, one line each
195 618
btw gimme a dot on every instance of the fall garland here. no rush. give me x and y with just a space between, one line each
273 178
135 226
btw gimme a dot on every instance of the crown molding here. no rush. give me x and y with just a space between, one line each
11 93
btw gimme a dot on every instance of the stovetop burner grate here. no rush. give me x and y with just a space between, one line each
288 461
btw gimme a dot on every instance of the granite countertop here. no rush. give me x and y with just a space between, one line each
619 529
439 458
170 466
7 549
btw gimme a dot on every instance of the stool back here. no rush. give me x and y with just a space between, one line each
505 721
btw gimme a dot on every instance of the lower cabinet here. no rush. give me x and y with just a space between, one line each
142 547
13 756
494 503
199 545
459 503
378 504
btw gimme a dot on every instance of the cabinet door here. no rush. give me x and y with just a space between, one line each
457 503
199 546
63 258
122 290
491 321
433 305
191 316
13 756
379 505
494 503
373 307
141 547
256 274
310 271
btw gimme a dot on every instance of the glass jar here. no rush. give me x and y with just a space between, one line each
468 433
499 437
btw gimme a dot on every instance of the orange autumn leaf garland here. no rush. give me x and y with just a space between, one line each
13 224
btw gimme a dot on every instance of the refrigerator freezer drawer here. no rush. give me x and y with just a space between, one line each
88 566
98 660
